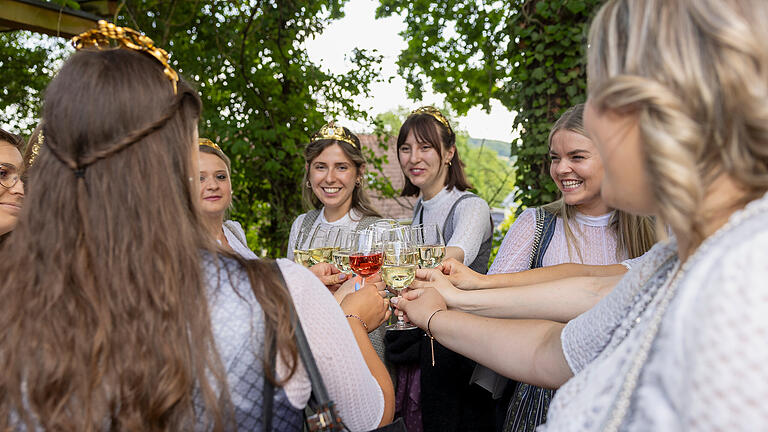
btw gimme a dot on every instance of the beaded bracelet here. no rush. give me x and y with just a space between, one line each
431 337
359 319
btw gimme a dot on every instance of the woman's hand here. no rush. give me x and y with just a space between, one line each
329 275
433 278
419 304
368 303
461 276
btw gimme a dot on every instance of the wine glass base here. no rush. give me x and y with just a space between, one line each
401 326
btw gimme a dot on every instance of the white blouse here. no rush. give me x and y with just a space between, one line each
706 368
472 220
349 220
595 239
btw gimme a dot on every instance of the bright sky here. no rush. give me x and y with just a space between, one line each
360 29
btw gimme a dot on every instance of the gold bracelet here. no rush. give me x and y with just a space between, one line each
432 337
359 319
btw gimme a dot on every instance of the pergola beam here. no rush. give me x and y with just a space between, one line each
50 18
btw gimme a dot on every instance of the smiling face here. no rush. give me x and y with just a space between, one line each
423 165
215 185
332 176
626 185
10 198
577 170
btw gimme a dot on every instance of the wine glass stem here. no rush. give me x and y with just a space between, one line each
362 281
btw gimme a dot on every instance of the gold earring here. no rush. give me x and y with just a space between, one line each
449 163
357 182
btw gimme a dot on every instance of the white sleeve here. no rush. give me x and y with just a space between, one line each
471 226
725 335
515 251
350 384
295 228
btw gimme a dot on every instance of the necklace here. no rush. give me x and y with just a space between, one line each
624 399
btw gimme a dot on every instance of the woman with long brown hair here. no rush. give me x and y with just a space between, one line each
333 187
130 318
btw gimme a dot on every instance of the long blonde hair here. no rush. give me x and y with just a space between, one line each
634 234
695 73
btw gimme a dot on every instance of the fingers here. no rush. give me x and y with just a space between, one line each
332 279
412 294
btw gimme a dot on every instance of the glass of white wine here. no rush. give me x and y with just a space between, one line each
398 270
343 247
429 245
321 245
300 252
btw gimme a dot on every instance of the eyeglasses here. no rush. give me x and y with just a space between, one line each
9 175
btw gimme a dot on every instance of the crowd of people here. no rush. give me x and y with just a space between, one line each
636 301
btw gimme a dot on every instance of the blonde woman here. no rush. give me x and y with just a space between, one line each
677 109
580 227
216 199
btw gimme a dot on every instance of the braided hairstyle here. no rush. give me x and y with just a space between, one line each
695 74
110 325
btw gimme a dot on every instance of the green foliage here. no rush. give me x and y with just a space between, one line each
262 96
500 232
490 175
528 54
500 147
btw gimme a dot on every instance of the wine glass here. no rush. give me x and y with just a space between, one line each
398 270
321 244
429 244
300 252
343 246
365 253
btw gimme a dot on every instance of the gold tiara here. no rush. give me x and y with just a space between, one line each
209 143
127 38
434 112
333 132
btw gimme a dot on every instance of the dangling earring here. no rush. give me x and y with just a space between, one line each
357 182
449 163
309 186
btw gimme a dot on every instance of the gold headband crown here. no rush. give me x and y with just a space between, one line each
434 112
127 38
333 132
209 143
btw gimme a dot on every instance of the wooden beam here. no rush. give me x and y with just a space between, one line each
43 17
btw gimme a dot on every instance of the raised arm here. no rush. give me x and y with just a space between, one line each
525 350
465 278
559 300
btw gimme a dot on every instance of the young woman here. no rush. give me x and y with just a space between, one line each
439 397
333 185
148 324
426 150
679 119
216 199
11 185
580 227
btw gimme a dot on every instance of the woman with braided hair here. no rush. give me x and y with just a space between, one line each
131 318
678 110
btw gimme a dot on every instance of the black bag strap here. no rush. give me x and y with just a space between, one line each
268 391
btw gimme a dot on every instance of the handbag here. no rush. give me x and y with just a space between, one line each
321 413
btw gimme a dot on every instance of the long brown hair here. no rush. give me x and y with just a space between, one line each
427 129
361 201
634 234
110 325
